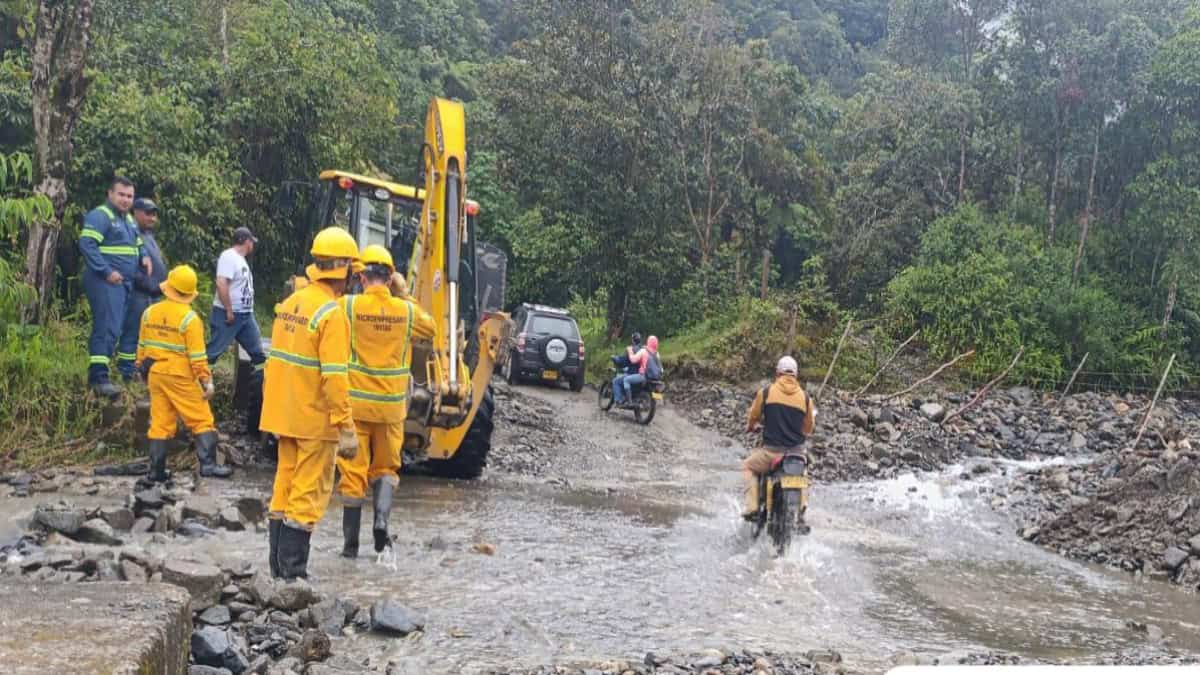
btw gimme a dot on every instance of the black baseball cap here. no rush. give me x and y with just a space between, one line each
144 204
242 235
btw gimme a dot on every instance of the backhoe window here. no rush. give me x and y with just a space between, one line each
369 219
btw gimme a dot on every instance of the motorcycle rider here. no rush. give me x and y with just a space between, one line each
648 368
786 415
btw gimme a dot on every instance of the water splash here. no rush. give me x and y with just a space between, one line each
387 558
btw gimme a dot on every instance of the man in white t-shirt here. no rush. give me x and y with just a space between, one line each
232 316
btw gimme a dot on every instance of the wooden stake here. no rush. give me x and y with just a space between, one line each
836 353
1153 402
986 388
1075 375
932 375
886 364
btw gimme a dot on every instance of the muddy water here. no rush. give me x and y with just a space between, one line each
631 544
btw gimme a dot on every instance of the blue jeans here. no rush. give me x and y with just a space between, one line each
244 329
618 385
629 381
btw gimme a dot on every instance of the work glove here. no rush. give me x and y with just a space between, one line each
207 387
347 443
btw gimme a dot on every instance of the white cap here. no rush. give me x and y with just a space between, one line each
787 365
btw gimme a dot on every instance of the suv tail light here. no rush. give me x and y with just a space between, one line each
582 350
521 342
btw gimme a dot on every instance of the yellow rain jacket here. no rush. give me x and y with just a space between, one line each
305 389
382 328
173 336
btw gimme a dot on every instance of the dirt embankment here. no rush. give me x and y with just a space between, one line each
1137 511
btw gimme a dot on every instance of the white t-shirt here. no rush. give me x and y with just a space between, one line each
233 266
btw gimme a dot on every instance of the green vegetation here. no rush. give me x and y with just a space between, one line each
997 174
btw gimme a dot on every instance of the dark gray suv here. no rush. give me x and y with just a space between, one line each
546 346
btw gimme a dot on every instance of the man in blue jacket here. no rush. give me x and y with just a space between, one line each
145 286
113 251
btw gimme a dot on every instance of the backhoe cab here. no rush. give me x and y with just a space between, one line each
430 231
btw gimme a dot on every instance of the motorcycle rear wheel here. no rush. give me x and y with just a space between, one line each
644 406
779 522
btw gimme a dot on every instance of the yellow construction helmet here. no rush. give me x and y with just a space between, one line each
377 255
180 284
334 242
335 251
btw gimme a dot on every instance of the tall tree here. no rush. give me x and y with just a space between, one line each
61 39
1115 70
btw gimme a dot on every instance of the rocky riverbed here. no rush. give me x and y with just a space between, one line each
1139 511
595 545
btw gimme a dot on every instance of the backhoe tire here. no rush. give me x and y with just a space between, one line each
471 458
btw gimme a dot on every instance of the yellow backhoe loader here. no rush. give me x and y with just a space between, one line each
430 231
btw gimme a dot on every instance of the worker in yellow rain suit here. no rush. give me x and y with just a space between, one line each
306 400
383 324
172 360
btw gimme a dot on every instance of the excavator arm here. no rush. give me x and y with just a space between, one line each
456 389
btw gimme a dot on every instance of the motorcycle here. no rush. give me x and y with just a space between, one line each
782 501
645 396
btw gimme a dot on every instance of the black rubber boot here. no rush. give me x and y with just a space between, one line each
158 461
273 527
293 552
106 389
206 452
351 522
382 491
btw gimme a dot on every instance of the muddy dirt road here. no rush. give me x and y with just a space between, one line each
627 542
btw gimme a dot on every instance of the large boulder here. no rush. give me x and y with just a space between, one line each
1173 558
389 616
293 596
96 531
213 646
61 517
202 582
118 517
934 412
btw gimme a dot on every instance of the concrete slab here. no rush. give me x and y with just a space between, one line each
100 627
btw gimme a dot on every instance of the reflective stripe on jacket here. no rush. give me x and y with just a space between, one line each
173 337
109 242
305 389
382 328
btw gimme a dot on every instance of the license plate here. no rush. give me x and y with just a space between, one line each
550 375
656 396
794 482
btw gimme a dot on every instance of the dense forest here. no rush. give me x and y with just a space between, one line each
1000 174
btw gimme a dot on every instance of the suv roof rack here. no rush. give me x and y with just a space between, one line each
545 308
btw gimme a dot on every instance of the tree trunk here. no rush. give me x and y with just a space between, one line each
1020 164
1172 291
618 305
62 37
225 36
962 157
766 273
1087 209
1054 189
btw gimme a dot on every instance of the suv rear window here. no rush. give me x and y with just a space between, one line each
545 324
